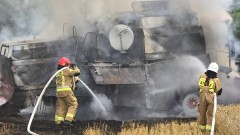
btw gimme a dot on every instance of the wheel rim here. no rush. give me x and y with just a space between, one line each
192 103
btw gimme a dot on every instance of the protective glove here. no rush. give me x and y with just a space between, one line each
76 87
219 92
73 66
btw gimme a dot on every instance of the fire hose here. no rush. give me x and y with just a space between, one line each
214 112
38 101
40 97
44 89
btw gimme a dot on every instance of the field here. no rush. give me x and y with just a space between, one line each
227 123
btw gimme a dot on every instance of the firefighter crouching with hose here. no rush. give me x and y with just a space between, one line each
208 84
66 106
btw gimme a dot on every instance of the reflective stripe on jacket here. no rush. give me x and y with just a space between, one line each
214 84
64 81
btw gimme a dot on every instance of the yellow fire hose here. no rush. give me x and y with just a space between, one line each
214 112
38 101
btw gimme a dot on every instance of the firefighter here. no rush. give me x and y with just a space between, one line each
208 84
66 106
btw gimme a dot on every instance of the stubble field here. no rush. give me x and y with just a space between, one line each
227 123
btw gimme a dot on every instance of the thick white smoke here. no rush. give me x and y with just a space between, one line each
215 19
231 90
83 14
27 18
106 102
45 18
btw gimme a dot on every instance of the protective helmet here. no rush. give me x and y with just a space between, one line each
64 62
213 67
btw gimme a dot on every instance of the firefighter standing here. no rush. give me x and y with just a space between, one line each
66 106
208 84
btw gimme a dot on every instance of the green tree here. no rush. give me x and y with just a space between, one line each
236 22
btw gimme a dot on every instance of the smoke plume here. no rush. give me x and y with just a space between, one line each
215 19
84 13
99 112
45 18
231 90
27 18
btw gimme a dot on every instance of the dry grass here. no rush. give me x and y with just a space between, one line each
6 129
132 128
100 129
227 123
228 120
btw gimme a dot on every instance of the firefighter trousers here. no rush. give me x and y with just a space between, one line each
205 108
66 108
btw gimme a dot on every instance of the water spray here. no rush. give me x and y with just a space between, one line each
214 112
102 107
38 101
44 89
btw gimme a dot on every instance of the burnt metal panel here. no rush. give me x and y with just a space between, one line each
151 6
34 72
43 49
102 50
182 40
118 74
35 62
6 79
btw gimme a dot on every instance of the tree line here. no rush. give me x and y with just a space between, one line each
235 13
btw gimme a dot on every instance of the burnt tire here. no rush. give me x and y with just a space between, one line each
8 109
190 104
17 102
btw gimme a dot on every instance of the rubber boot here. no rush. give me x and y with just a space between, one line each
67 123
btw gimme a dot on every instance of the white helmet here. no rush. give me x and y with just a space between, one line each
213 67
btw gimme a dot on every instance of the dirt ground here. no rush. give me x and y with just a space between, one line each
17 125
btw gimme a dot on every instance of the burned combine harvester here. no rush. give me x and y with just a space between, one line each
134 64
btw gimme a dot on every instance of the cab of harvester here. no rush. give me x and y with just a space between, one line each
130 63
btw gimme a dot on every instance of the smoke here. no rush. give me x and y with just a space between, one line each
166 79
231 90
216 21
186 74
2 101
214 17
85 15
179 76
106 102
45 18
27 18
